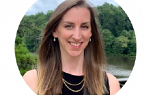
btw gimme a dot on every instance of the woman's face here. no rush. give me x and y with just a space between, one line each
74 31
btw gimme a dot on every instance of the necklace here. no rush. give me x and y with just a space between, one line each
71 83
65 83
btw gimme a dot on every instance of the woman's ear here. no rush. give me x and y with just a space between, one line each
55 34
91 34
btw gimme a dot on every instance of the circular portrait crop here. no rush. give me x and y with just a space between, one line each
75 47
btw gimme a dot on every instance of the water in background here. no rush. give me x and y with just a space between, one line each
121 67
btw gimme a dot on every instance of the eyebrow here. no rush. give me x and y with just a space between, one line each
73 23
68 22
85 22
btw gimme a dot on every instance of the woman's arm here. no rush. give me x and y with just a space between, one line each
30 78
113 84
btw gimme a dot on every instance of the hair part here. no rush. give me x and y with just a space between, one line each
49 59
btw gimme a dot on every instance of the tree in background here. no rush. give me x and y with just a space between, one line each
113 18
25 60
120 45
108 39
31 27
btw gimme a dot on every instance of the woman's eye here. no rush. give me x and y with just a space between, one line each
85 27
68 26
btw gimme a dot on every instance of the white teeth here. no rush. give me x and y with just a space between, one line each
74 44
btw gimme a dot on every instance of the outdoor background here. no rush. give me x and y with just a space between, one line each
118 35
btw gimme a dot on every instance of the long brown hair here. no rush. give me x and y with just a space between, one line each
49 60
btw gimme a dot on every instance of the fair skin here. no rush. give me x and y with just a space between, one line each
73 33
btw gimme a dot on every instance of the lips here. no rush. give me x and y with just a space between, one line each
75 45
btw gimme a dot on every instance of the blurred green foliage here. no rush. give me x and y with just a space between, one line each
25 60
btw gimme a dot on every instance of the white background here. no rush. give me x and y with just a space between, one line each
11 13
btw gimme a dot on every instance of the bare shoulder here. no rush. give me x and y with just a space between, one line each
30 78
113 84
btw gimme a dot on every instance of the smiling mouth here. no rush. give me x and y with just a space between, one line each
75 45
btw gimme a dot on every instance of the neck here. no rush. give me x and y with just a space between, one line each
73 65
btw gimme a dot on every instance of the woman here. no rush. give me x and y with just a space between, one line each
71 55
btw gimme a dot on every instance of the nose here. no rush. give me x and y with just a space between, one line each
77 34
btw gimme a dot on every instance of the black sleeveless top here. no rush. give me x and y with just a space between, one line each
73 79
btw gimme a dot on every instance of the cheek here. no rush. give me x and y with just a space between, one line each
87 35
63 35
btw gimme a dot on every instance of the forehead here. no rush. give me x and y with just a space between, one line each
77 14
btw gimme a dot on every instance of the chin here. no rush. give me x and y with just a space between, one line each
75 53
